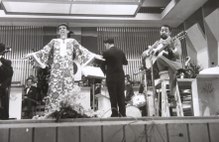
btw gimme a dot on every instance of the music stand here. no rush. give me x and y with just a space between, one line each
93 80
93 72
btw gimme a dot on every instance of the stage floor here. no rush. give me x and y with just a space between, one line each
143 129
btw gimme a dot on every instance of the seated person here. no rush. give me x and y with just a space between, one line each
129 91
29 102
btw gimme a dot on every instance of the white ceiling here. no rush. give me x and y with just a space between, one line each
104 13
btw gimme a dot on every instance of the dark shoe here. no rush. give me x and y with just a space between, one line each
122 115
114 115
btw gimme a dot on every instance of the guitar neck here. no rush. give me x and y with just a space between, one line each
179 36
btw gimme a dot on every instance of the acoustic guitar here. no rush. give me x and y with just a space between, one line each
152 54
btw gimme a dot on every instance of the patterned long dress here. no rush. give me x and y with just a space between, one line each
61 82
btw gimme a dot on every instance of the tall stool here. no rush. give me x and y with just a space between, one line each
165 111
179 107
166 100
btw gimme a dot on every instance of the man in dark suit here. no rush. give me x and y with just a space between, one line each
29 99
6 72
115 78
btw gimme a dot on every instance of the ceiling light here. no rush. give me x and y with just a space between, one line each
73 7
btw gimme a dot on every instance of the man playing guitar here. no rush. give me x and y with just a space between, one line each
167 53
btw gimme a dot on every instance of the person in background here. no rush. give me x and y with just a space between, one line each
6 73
129 89
30 97
115 78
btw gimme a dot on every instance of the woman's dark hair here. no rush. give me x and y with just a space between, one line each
63 24
70 34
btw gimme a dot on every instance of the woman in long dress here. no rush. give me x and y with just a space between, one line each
61 82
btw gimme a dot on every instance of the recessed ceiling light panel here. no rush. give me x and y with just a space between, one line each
73 7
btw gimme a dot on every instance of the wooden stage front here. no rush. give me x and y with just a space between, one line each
144 129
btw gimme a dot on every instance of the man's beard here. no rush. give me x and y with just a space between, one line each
163 36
